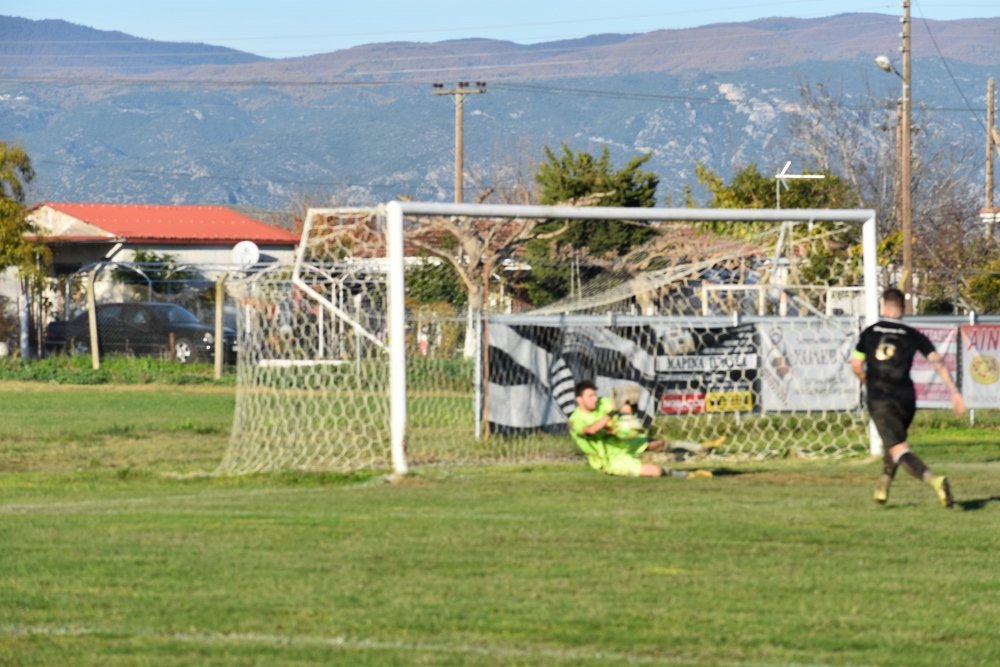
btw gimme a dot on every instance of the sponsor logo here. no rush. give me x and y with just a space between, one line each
682 404
984 369
729 401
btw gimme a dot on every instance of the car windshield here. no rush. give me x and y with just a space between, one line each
108 313
178 315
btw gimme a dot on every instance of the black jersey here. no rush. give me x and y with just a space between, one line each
888 348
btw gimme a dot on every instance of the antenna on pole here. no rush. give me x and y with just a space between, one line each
781 180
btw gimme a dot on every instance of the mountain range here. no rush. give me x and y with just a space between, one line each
111 117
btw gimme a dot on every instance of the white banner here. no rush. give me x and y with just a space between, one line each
931 390
981 365
806 366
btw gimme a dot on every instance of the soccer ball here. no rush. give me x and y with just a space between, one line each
628 426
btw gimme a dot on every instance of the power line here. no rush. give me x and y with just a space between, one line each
220 178
951 75
208 83
334 84
223 52
615 94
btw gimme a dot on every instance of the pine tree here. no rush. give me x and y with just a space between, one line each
582 178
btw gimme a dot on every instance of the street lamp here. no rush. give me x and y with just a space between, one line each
905 162
884 64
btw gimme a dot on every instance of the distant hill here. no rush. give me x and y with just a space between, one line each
110 117
721 47
35 48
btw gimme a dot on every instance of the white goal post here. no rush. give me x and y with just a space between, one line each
397 211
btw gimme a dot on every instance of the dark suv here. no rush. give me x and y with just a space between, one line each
142 329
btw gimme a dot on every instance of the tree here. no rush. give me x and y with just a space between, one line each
573 176
555 255
429 283
473 249
984 289
19 247
858 142
159 272
749 188
477 248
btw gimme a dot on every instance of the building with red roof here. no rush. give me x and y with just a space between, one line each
80 234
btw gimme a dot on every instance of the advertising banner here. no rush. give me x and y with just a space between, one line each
931 390
805 365
679 369
980 344
717 373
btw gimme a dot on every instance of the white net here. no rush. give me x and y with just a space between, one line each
312 389
724 330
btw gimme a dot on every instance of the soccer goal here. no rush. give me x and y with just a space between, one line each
725 322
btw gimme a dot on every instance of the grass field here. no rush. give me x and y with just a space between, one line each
114 550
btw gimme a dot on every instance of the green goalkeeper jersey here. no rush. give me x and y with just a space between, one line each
606 444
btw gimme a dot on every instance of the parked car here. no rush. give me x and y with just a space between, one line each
147 329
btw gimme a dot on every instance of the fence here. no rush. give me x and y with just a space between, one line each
141 309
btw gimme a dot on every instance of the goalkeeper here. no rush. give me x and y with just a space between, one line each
613 438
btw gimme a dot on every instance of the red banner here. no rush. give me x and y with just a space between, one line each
931 391
682 403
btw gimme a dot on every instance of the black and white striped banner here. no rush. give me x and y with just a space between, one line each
533 368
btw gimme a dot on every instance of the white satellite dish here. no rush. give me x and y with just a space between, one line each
245 254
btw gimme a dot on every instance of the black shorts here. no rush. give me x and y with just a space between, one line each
892 419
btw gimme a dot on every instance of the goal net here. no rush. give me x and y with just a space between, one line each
375 351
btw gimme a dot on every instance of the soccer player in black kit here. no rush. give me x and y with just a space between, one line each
882 361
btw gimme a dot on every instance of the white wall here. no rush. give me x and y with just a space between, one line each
208 255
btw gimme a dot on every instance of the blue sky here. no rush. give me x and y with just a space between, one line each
287 28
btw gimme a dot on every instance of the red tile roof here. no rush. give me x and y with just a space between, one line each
144 223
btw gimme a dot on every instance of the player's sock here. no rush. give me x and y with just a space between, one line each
915 466
889 468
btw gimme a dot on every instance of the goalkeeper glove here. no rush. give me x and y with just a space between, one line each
606 406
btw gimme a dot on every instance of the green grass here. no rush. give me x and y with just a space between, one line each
58 428
113 551
66 369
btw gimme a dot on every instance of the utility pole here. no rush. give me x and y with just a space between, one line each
898 180
459 92
989 213
905 160
905 172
